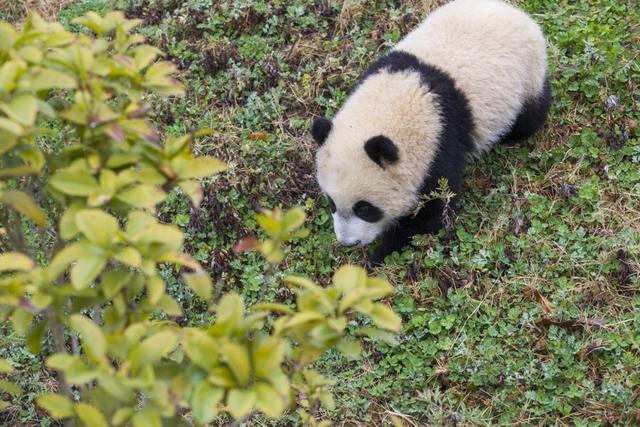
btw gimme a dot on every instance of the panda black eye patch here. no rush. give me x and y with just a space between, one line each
332 205
367 212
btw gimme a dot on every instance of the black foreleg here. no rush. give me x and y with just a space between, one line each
427 221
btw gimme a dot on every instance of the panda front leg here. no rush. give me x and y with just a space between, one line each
428 220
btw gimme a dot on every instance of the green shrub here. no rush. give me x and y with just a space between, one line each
85 248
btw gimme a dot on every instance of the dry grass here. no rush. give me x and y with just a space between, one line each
16 11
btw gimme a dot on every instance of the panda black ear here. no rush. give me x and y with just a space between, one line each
381 149
320 129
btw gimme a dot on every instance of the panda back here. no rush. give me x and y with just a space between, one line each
494 53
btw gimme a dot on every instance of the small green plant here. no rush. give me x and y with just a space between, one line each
444 194
91 276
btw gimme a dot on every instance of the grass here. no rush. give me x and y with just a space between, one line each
527 314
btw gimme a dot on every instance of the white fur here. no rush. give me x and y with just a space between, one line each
352 230
495 54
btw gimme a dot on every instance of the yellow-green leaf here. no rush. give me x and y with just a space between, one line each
75 370
397 421
11 388
200 347
22 109
144 55
349 277
267 356
350 348
15 261
63 258
272 307
303 317
147 417
240 402
90 416
93 340
174 145
59 38
269 401
5 367
107 189
169 306
236 358
163 68
60 361
122 415
34 336
94 22
74 183
222 377
379 334
87 268
114 280
41 300
350 298
68 228
21 202
31 54
45 109
230 310
199 283
152 349
293 219
204 402
271 251
8 74
129 256
200 167
8 141
378 288
304 283
272 226
142 196
155 289
50 79
193 190
97 226
82 57
21 321
57 405
384 317
180 258
11 126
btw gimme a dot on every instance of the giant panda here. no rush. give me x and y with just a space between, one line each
474 73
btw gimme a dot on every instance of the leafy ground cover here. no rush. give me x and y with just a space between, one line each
527 313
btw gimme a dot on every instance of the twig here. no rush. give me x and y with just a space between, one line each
57 332
75 344
16 238
268 277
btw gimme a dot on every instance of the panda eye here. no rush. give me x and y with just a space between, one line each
362 210
366 211
332 205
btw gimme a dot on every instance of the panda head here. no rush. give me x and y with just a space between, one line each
373 155
360 212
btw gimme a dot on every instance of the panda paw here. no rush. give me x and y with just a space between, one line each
375 260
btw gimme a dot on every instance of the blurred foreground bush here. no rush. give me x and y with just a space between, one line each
82 249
